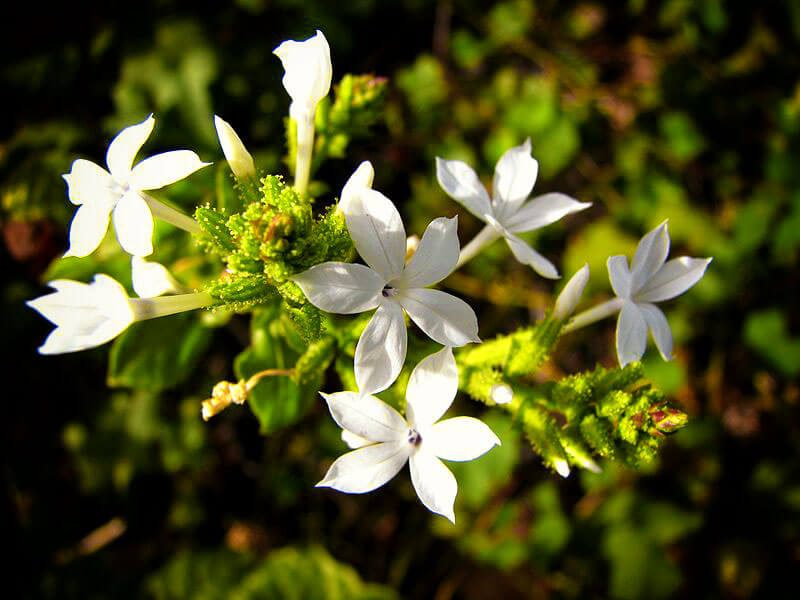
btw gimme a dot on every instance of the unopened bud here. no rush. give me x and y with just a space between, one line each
501 393
239 159
569 297
667 419
223 395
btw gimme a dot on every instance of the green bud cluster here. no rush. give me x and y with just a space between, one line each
269 241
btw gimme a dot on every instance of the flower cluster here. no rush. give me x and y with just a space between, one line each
395 281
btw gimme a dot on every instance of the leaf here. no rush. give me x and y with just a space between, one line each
158 354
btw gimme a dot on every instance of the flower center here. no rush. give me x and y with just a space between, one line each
119 189
414 438
388 291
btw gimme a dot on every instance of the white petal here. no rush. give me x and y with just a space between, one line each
631 334
162 169
354 441
673 279
133 223
89 183
367 468
88 228
659 327
151 279
381 349
514 177
361 179
366 416
342 288
444 318
239 159
307 72
460 439
462 184
619 275
377 231
86 315
528 256
434 483
123 148
544 210
431 388
436 255
569 297
650 255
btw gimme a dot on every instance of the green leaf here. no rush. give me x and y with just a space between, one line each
158 354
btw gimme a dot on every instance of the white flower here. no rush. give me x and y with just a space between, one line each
85 315
508 212
386 441
307 73
569 297
239 159
98 192
90 314
391 286
151 279
650 279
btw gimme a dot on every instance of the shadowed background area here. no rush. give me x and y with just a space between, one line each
687 110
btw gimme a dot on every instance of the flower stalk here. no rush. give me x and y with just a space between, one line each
597 313
173 216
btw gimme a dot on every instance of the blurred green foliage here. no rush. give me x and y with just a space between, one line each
650 109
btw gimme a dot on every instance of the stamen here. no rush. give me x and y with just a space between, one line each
414 438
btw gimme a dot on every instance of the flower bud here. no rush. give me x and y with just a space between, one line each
569 297
307 73
239 159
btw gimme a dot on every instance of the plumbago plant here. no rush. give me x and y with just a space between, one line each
282 256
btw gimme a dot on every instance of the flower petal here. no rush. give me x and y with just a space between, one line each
88 228
354 441
342 288
673 279
650 255
514 177
381 349
619 275
361 179
377 231
659 327
434 483
460 439
151 279
435 257
367 468
239 159
462 184
431 388
123 148
569 297
528 256
444 318
631 334
543 210
89 183
133 223
366 416
166 168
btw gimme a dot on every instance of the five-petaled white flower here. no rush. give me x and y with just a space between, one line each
307 73
388 440
650 279
90 314
98 192
85 314
507 212
391 286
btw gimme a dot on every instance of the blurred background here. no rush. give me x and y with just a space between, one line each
687 109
